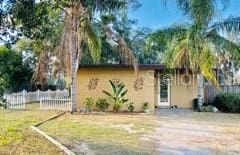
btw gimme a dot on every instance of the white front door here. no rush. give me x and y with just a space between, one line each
163 92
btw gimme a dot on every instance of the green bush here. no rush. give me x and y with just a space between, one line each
88 103
131 107
227 102
102 104
145 106
208 108
3 103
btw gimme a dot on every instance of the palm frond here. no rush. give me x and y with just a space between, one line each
201 11
124 93
124 100
94 43
113 86
181 53
104 5
168 55
232 24
207 61
120 88
225 45
128 55
160 38
107 93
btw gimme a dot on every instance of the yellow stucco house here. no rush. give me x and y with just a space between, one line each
155 84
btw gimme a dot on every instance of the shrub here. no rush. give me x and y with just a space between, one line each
145 106
131 107
3 103
88 103
102 104
208 108
117 95
227 102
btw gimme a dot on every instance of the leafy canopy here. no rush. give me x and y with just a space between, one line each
14 73
196 45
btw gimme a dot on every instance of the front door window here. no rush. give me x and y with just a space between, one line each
164 91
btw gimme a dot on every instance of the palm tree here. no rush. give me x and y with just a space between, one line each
67 26
196 45
78 29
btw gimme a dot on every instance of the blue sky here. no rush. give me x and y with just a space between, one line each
154 15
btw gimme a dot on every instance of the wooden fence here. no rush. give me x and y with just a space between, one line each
19 100
211 91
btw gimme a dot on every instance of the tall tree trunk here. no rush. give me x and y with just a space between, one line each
73 91
75 62
76 49
200 89
70 47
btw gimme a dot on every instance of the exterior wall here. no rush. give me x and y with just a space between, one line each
182 95
127 76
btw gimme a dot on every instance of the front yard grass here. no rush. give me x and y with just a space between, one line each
103 134
16 136
199 133
148 134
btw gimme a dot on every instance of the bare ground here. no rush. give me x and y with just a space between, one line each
174 131
185 132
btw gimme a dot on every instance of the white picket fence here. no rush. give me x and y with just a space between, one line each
60 103
49 100
15 101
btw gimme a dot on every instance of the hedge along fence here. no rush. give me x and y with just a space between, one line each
211 91
49 100
227 102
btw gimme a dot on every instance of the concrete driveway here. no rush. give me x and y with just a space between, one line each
185 132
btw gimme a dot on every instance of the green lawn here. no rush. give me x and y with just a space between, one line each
104 134
16 136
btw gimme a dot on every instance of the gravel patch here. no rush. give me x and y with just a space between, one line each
178 132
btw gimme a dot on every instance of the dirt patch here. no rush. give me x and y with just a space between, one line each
185 133
130 128
82 148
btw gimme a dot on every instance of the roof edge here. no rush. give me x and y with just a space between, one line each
141 66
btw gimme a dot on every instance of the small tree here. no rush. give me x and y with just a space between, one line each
117 95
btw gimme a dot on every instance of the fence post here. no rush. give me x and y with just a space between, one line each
38 95
23 93
23 98
49 93
58 93
41 103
